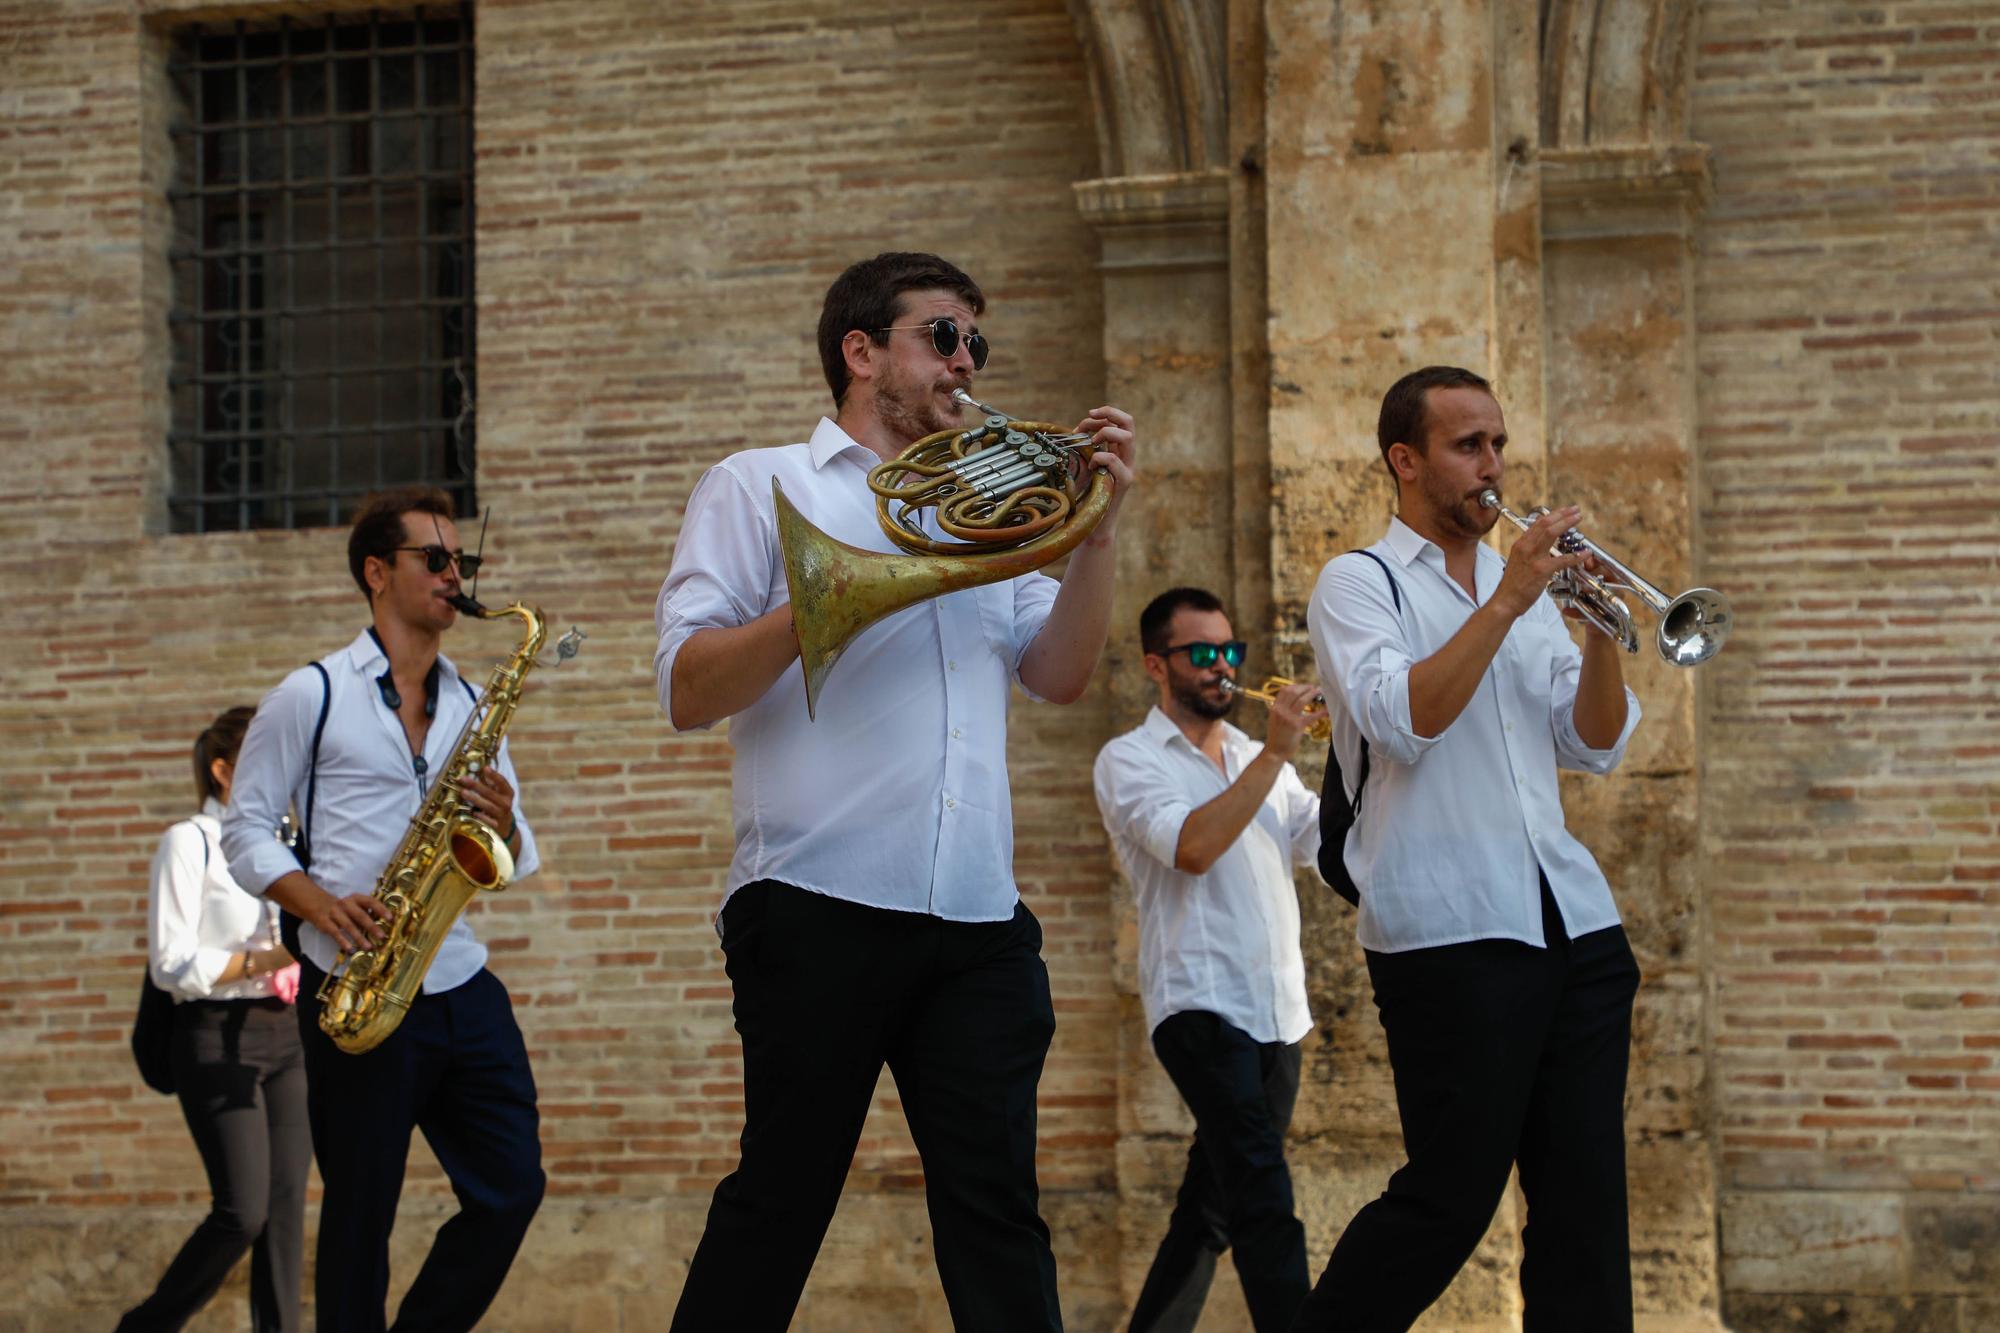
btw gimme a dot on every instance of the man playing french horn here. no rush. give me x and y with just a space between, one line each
870 915
1502 977
356 743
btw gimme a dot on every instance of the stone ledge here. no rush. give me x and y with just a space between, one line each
1623 190
1172 220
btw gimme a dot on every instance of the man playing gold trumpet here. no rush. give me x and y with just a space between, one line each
870 914
1208 824
1501 974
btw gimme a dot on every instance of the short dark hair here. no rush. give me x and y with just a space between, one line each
869 297
378 528
221 740
1405 415
1158 617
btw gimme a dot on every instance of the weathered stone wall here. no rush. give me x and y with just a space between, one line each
1849 419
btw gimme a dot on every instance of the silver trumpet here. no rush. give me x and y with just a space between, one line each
1692 626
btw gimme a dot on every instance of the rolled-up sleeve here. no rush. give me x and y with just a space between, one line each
181 964
269 767
721 572
1565 671
1365 655
1034 595
1140 803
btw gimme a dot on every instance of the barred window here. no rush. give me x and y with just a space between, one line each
322 319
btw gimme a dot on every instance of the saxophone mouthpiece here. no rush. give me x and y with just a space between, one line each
466 605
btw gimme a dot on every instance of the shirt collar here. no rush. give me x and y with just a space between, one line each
211 807
829 442
1406 544
1165 731
367 658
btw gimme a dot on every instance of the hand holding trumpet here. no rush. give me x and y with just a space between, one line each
1297 708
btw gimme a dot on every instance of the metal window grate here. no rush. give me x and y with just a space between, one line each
322 316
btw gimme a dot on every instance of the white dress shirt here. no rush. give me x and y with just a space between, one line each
199 919
1454 828
897 796
367 793
1227 941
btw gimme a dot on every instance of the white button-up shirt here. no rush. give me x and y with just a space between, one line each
1227 941
367 793
1456 829
200 919
897 795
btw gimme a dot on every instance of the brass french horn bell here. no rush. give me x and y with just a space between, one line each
1005 496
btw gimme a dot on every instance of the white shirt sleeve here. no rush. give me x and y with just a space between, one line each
182 966
1301 809
269 768
530 859
1034 594
1565 670
721 573
1365 654
1139 800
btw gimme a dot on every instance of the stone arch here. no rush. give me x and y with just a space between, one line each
1158 83
1615 72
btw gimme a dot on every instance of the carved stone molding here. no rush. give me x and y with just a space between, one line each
1170 221
1624 190
1616 71
1158 82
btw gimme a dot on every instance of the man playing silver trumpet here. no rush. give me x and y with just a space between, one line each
1501 974
870 914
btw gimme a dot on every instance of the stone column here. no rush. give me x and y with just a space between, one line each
1617 223
1167 356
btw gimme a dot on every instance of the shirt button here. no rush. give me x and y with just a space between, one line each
950 804
951 666
957 735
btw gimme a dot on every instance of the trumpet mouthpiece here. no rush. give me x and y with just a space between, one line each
1489 498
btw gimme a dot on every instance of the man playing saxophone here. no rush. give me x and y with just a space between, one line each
353 742
1501 974
870 914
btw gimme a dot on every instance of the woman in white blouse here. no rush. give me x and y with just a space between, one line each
236 1058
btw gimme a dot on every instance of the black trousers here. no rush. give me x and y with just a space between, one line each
1502 1053
456 1069
242 1086
1237 1191
826 993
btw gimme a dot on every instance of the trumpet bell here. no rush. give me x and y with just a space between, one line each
1693 627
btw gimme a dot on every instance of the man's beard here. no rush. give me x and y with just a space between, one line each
1195 697
910 409
1463 515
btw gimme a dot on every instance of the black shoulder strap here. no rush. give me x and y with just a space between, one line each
1395 592
312 769
288 925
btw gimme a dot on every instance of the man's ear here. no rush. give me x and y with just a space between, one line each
1403 461
859 351
1156 668
375 570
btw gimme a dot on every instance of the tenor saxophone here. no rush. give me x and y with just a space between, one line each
446 857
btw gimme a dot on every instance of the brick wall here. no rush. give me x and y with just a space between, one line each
1850 422
662 200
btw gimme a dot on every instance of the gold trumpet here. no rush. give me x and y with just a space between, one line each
1322 725
1011 495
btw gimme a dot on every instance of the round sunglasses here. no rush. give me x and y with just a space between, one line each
944 339
436 558
1201 656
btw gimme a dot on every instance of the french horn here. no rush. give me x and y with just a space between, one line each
964 507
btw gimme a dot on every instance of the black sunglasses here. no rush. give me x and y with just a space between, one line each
437 558
1201 656
944 339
